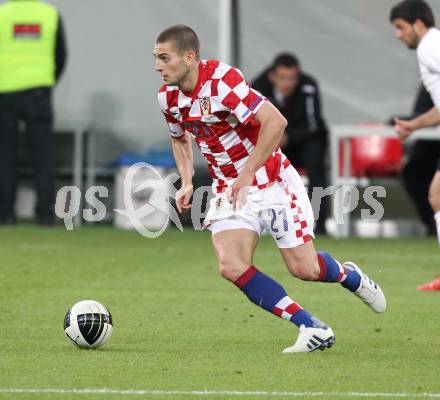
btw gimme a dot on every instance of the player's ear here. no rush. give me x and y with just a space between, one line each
190 57
419 26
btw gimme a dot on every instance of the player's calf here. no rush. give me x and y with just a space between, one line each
306 264
304 272
434 201
301 262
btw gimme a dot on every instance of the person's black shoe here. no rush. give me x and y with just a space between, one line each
8 220
320 230
432 230
45 221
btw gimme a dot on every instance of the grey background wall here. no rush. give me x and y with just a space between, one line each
364 72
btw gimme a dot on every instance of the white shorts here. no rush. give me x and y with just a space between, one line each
283 209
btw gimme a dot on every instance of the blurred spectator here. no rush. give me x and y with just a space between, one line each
296 95
421 165
32 58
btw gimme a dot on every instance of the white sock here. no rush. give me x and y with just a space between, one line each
437 222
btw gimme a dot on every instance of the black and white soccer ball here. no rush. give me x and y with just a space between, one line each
88 324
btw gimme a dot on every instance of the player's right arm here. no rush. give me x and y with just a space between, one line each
406 128
429 64
182 150
183 155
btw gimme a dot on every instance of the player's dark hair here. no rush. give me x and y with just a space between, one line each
285 60
183 37
412 10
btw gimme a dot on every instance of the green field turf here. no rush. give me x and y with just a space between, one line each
179 326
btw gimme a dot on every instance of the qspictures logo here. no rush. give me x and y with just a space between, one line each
159 192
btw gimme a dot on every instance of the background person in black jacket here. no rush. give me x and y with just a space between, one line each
296 95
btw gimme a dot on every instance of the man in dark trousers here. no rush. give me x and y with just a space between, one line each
296 95
32 58
421 165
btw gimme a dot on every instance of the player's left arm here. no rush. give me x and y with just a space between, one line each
272 126
183 155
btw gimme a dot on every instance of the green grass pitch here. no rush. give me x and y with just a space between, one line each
180 327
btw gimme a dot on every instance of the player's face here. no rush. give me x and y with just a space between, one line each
406 32
172 66
285 79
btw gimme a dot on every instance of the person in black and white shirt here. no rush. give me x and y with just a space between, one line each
413 21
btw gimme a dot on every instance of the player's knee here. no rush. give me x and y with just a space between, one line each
230 270
434 200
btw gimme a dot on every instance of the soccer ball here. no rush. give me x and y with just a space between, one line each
88 324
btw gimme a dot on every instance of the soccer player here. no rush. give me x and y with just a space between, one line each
413 21
237 130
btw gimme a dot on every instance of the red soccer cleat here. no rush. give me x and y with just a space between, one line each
431 286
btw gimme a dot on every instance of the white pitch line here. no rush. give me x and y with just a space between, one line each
229 393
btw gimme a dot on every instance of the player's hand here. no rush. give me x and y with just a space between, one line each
240 188
404 128
183 198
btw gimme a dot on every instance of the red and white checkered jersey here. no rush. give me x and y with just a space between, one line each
219 114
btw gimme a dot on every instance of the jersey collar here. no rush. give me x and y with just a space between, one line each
196 89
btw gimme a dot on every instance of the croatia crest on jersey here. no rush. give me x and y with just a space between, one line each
205 105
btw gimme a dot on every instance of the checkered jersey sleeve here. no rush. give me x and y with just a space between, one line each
175 127
236 94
